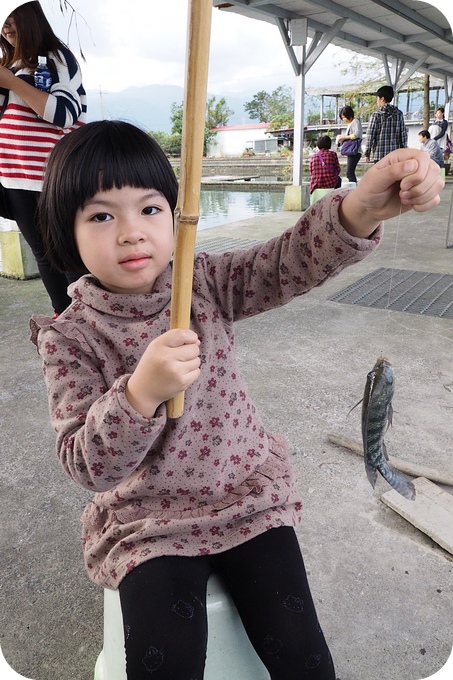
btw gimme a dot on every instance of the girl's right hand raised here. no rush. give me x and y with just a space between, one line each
169 365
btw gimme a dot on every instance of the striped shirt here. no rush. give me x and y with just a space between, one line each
25 139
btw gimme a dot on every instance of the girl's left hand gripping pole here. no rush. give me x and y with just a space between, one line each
188 204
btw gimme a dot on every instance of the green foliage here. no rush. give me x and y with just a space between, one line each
176 118
367 75
287 170
313 118
259 107
170 143
276 108
217 114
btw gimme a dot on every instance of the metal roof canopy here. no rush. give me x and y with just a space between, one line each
407 35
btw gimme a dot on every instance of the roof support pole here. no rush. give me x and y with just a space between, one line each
413 68
301 65
299 116
448 84
393 70
298 67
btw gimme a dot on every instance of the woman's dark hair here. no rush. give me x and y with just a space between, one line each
441 109
34 37
96 157
347 112
324 142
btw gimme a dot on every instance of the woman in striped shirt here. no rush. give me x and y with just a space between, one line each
32 123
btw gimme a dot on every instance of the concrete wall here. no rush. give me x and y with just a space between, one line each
16 258
232 140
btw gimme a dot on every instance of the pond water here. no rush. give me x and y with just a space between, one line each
222 207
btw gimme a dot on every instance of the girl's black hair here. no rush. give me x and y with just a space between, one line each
96 157
347 112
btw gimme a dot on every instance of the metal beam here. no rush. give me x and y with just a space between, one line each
268 9
412 69
322 44
414 17
289 49
373 47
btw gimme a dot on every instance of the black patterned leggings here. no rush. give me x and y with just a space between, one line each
165 619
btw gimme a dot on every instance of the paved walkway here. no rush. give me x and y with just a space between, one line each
382 588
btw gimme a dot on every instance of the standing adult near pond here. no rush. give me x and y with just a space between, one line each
438 129
386 129
33 121
355 134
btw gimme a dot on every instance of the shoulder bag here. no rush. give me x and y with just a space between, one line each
350 147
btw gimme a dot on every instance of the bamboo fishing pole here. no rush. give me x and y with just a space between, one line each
188 203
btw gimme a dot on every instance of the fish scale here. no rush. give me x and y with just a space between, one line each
377 415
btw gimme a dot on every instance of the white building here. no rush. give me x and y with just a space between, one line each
233 140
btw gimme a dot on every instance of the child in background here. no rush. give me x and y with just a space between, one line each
213 490
431 147
324 166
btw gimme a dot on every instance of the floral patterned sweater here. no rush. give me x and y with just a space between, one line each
215 477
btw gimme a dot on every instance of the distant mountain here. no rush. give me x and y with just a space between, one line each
150 106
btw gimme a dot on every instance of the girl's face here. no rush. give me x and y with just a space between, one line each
9 31
125 238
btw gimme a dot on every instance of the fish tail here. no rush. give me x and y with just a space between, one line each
398 481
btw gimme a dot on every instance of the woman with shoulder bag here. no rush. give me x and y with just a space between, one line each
33 121
352 139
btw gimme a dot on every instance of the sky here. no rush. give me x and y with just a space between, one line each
145 45
122 49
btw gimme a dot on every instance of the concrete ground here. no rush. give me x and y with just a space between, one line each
383 589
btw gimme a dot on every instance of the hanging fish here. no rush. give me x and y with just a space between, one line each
377 415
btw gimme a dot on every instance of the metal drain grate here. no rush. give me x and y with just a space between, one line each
223 244
402 290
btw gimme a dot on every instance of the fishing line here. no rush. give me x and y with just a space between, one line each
392 273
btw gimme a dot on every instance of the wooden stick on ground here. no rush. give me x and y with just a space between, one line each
188 204
403 466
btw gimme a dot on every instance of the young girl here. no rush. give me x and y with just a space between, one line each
213 490
32 123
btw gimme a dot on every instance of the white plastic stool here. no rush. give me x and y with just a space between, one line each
230 655
317 194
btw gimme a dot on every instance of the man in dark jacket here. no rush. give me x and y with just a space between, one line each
386 129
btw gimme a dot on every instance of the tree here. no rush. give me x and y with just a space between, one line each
259 107
217 113
169 143
368 75
176 118
276 108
